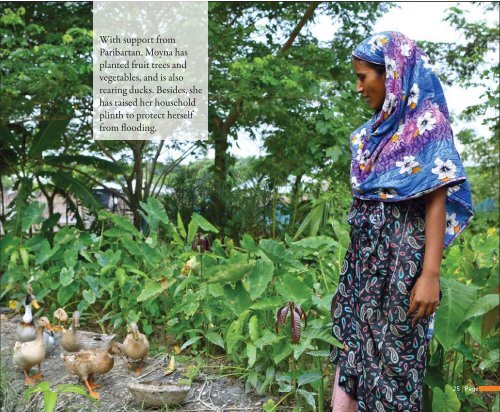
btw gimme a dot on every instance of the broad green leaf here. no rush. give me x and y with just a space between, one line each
341 233
308 377
259 278
237 298
93 283
491 360
483 305
276 251
251 353
191 303
120 222
48 136
190 342
66 182
89 296
192 229
232 272
456 301
24 257
319 353
445 401
70 257
108 258
98 162
69 388
282 351
270 371
267 338
40 387
268 303
309 397
314 219
131 246
293 289
66 276
215 338
32 215
253 328
203 223
270 406
248 243
284 381
113 232
65 293
44 253
180 226
154 212
49 401
235 331
121 276
316 243
151 290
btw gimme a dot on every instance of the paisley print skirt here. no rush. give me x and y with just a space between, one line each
384 358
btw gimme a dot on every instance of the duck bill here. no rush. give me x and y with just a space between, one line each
35 304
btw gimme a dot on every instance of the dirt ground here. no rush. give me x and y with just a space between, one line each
208 392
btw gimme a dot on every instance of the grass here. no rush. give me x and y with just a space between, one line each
8 395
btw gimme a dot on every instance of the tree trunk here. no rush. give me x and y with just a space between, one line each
295 200
220 171
135 192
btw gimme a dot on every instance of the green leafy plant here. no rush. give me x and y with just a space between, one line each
50 395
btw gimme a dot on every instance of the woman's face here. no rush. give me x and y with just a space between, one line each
370 84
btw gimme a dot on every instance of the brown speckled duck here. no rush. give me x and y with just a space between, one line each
135 346
28 354
75 340
89 362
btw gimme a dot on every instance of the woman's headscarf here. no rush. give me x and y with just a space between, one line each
406 149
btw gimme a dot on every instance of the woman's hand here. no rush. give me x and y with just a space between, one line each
424 297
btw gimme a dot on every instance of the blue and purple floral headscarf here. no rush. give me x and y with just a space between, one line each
406 149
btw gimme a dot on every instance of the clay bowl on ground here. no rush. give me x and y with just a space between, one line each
158 393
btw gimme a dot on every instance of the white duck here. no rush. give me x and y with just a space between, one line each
26 329
28 354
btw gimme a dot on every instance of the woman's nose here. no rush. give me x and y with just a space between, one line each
359 87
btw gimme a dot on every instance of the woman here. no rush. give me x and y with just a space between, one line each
410 193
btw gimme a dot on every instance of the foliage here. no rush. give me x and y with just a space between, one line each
50 396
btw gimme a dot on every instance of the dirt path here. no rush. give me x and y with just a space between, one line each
208 393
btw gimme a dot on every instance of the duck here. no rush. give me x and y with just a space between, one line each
75 340
26 330
28 354
135 346
86 363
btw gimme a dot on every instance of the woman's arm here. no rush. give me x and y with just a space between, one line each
424 297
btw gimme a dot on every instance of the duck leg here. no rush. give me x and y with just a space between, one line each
27 379
91 382
38 376
138 368
93 394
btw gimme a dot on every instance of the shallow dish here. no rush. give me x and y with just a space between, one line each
158 394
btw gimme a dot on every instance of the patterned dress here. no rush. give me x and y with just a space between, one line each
384 358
